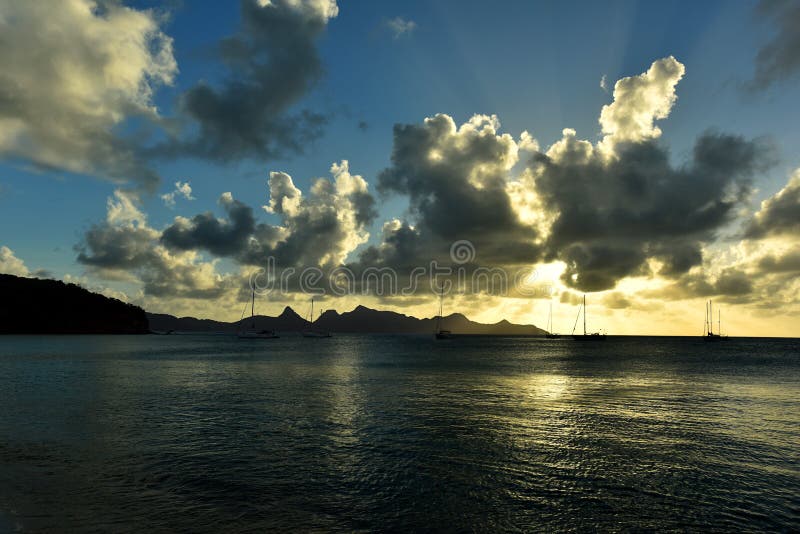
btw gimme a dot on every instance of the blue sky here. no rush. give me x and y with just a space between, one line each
536 65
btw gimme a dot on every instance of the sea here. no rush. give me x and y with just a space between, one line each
209 433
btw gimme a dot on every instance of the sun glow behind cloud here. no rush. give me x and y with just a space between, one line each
646 233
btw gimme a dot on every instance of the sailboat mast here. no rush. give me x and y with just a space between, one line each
719 325
584 314
253 309
550 319
439 317
710 316
312 309
576 319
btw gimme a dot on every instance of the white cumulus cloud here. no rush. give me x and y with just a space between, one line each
10 264
639 101
182 189
73 70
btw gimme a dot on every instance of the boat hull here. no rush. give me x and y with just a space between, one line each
257 335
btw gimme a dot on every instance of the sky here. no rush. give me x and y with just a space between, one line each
179 155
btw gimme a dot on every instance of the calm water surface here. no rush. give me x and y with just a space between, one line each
209 433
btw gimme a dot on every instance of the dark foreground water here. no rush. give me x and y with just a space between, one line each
214 434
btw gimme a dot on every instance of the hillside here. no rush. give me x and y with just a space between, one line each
359 320
34 306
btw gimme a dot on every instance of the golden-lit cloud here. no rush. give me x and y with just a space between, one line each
10 264
73 70
615 218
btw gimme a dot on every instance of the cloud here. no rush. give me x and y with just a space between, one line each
611 210
73 72
321 228
788 262
10 264
779 59
182 189
125 247
608 214
400 26
611 215
272 62
456 179
90 285
620 203
733 282
638 102
221 237
603 83
779 214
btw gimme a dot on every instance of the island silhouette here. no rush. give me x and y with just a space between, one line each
41 306
361 320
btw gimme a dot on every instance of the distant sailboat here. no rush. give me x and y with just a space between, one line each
311 332
595 336
550 333
708 329
441 334
253 334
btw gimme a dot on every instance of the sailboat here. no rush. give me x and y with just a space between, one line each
441 334
595 336
311 332
708 329
253 334
550 333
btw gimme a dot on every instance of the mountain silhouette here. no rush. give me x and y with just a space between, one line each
36 306
360 320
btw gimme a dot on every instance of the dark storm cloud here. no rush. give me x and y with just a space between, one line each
315 229
455 180
401 248
677 257
596 266
608 212
779 59
786 263
115 247
779 214
118 252
318 229
272 62
308 237
612 215
439 186
731 283
124 247
221 237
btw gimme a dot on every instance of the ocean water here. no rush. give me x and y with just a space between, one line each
209 433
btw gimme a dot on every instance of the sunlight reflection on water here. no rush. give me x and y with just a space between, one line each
203 433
